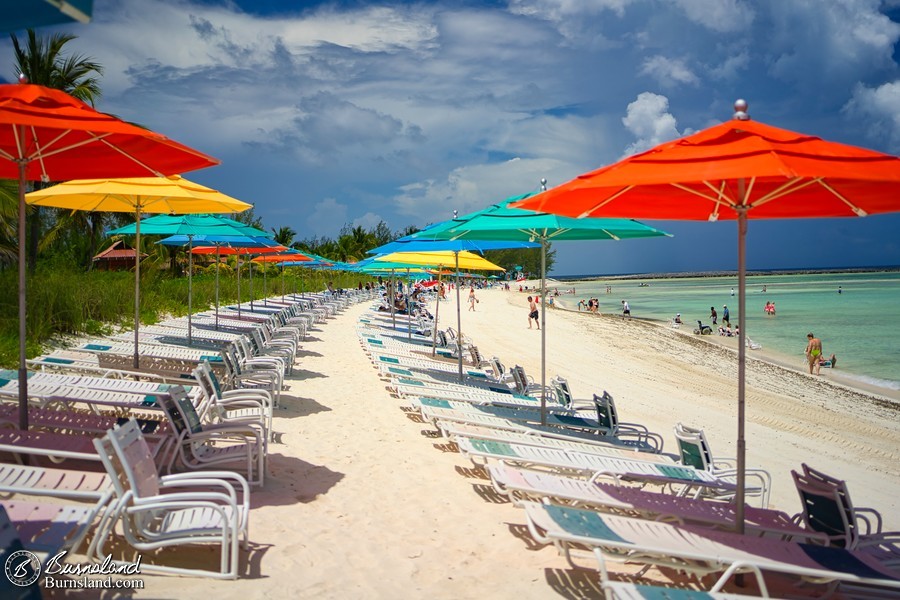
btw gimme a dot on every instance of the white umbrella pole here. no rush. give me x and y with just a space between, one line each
190 286
408 309
543 330
391 294
23 374
217 287
137 284
282 282
265 286
742 350
437 310
459 339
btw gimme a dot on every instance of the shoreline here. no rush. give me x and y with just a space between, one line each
730 273
847 381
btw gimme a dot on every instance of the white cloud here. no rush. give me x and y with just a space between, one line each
731 67
368 220
650 122
879 110
822 43
722 16
327 217
470 188
668 72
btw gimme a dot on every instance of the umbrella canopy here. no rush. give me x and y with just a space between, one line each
424 241
739 170
47 135
287 255
446 258
502 222
193 225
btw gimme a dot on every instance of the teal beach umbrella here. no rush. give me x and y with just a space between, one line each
500 222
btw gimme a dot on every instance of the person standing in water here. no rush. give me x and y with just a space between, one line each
813 352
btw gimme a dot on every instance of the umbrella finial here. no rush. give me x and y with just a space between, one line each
740 110
543 184
23 78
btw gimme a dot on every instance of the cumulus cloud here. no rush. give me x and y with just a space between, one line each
668 72
473 187
650 122
877 109
722 16
326 216
368 220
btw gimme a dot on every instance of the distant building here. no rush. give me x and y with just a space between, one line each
118 257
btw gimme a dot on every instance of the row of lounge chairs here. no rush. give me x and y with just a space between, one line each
602 490
155 458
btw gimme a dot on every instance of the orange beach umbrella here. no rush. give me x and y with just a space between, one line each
47 135
739 170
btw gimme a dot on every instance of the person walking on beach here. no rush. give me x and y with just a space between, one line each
626 310
472 298
713 315
726 316
813 352
533 313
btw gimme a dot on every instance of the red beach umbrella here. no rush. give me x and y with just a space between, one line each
739 170
47 135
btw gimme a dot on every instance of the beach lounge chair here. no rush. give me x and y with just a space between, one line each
455 430
530 485
48 527
675 478
827 508
159 512
621 590
695 452
239 445
48 481
699 551
233 406
608 417
406 387
564 421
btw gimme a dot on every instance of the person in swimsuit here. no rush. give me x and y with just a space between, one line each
813 352
533 313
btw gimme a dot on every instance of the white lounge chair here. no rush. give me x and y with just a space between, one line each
698 550
187 508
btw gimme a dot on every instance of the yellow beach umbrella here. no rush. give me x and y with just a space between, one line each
444 258
139 195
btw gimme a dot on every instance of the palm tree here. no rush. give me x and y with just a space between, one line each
284 235
42 62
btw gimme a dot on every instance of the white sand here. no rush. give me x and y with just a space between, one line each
362 502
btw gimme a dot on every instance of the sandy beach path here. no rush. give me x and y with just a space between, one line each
361 504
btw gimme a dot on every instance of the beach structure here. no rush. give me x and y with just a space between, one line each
119 256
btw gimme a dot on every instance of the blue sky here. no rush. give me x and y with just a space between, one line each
325 113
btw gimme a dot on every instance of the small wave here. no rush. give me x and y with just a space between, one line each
883 383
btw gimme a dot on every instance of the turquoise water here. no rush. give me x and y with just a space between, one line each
861 325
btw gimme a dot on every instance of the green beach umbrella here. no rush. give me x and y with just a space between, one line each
500 222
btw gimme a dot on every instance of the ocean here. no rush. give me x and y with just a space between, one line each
860 325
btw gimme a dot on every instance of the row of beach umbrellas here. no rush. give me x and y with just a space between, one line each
738 170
